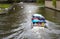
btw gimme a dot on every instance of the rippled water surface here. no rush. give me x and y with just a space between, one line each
17 24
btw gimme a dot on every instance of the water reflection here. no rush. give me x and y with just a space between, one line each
10 22
51 15
17 20
13 23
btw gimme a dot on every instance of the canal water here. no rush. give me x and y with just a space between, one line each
16 24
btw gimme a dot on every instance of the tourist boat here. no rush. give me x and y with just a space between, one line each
38 20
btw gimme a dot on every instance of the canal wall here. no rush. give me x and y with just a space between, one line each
51 13
49 4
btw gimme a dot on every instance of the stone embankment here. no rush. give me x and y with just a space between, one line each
49 5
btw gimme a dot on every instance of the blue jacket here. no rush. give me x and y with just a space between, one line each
38 21
35 20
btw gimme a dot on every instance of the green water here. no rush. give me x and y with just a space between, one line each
50 14
17 21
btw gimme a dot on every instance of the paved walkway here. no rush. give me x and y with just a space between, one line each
49 4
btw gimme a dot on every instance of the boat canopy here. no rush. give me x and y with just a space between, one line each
38 15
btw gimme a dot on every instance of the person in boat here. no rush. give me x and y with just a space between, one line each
34 20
